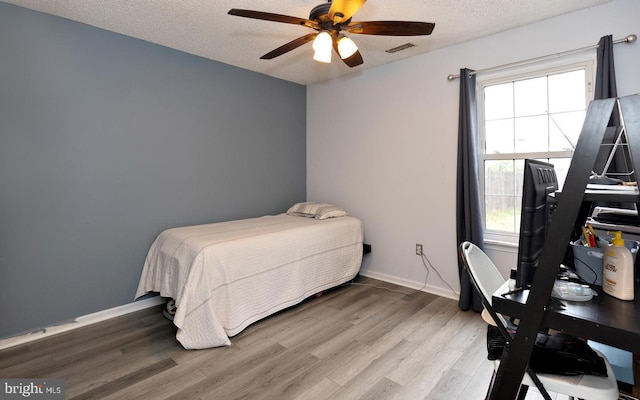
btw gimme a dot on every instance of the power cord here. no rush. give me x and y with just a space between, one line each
377 287
427 263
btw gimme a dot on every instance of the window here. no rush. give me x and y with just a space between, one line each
536 114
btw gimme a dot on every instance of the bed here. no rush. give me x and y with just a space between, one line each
224 276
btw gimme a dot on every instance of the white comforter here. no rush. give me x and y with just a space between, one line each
225 276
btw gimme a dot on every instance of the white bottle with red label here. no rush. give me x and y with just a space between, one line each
617 269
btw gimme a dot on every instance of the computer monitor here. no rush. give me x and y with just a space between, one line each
539 181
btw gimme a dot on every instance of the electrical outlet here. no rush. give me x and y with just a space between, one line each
418 249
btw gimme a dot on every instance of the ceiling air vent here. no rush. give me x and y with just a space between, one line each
400 48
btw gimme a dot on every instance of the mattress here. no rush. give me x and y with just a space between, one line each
225 276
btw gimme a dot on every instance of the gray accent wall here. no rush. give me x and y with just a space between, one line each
107 140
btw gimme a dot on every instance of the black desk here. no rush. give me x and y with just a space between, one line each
604 319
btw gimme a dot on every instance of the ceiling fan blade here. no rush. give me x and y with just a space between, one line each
391 28
342 10
353 60
294 44
273 17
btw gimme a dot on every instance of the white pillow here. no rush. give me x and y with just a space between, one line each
311 209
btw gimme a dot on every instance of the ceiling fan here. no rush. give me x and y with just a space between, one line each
330 20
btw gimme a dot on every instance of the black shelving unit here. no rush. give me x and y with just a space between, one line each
537 312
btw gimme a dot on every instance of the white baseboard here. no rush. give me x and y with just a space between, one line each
412 284
82 321
153 301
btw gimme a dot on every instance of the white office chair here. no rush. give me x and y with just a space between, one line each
487 279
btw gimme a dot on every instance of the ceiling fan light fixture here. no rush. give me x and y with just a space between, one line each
323 57
322 45
328 20
346 47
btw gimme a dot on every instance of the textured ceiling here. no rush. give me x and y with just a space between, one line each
202 27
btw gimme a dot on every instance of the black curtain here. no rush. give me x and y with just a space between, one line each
606 71
606 89
468 215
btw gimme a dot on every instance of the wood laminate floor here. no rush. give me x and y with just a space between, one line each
354 342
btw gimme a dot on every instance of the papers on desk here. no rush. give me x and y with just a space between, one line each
612 189
615 219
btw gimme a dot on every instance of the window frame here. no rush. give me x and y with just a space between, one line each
539 69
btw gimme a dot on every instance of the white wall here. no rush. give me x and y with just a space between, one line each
382 142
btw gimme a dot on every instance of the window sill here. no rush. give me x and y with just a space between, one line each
501 246
500 243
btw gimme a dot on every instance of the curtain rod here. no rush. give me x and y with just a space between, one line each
628 39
